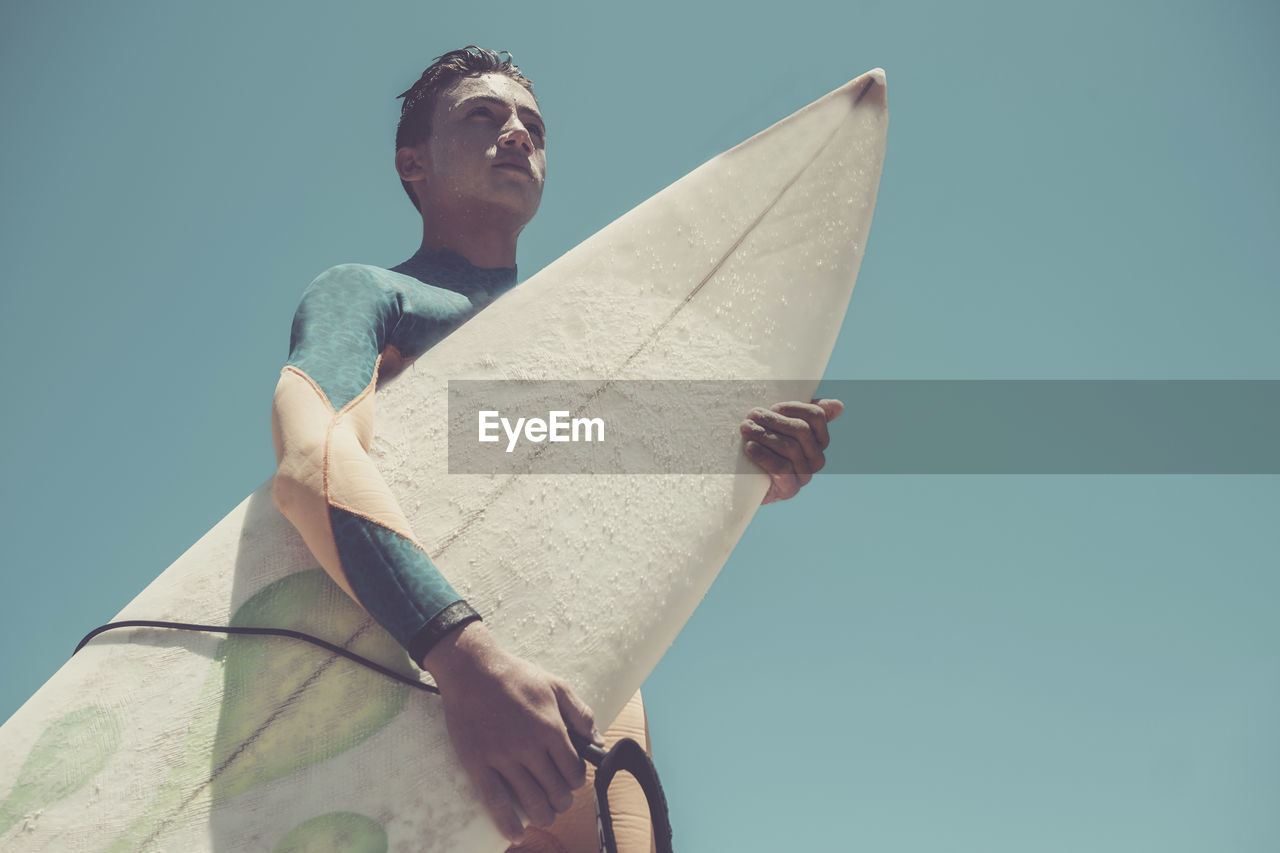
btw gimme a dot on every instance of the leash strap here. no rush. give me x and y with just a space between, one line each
630 756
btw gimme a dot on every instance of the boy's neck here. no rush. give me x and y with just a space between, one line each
487 248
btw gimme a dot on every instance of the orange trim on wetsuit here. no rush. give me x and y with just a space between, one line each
353 320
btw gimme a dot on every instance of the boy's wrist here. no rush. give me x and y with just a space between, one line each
462 649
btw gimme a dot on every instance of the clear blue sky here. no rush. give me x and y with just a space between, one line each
1072 191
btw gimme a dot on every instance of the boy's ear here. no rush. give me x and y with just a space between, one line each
412 164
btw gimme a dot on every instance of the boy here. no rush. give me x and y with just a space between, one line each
471 154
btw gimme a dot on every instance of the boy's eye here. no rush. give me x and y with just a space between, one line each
480 111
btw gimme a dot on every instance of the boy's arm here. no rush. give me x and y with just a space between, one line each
507 718
325 483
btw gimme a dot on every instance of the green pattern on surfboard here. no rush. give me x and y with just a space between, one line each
286 705
345 831
266 730
70 752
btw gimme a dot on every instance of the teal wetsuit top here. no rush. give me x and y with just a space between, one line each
352 319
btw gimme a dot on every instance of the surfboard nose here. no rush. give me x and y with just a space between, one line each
870 89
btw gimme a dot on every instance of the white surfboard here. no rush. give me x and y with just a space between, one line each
171 741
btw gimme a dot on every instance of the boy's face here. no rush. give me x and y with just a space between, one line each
487 152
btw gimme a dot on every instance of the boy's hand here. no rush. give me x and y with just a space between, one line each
787 440
508 720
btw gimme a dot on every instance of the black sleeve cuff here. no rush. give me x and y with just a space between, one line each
457 614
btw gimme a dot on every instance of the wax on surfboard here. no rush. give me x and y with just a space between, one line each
159 740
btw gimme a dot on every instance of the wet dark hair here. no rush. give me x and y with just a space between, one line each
420 98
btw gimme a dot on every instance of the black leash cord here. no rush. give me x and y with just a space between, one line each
626 754
262 632
588 750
